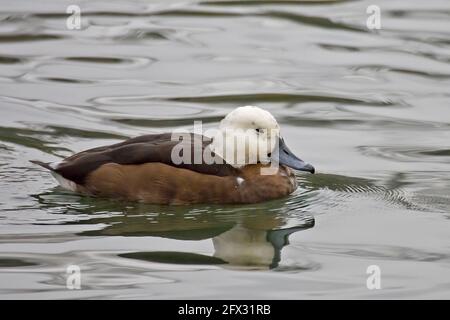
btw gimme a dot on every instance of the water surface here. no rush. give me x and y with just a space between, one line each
370 110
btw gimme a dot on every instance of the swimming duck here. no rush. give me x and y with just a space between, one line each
245 161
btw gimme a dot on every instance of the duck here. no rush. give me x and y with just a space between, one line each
245 160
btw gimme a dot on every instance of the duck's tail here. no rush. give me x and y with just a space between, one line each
63 182
46 165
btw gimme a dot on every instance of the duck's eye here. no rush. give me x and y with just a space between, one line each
259 130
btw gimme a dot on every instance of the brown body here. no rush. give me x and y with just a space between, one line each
163 184
141 169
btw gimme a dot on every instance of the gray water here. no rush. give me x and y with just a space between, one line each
368 108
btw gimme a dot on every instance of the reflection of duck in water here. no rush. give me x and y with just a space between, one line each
255 241
158 168
239 247
244 247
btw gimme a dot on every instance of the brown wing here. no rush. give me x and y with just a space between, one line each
155 148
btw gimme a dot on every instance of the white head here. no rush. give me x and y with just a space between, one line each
247 135
250 135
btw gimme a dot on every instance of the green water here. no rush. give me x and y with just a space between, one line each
369 109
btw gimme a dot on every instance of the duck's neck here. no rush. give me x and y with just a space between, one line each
224 146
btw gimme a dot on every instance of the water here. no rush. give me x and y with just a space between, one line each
369 109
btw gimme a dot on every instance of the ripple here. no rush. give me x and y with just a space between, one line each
35 138
173 257
420 73
25 137
11 59
140 34
345 187
101 60
273 97
128 63
64 80
270 2
28 37
382 252
12 262
316 21
166 123
407 154
436 152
